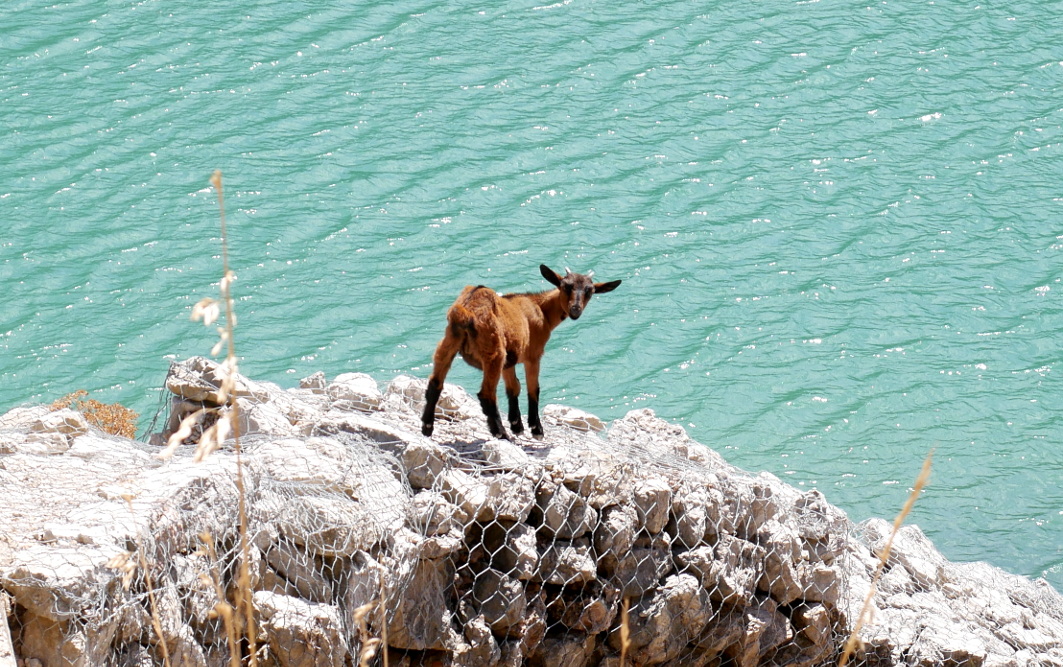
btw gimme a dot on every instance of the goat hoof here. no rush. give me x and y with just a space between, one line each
517 427
426 430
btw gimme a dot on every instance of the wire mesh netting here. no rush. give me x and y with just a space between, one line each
366 542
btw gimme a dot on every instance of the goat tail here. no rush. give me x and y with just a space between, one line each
462 320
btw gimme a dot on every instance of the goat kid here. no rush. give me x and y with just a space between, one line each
495 333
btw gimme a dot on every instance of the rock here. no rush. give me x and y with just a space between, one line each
432 514
370 430
261 419
301 570
511 548
499 599
479 648
573 650
590 609
366 582
59 582
423 621
181 644
504 455
39 444
201 379
324 525
663 625
911 549
642 568
46 642
453 404
508 496
597 476
614 536
564 513
354 391
468 552
689 520
301 634
733 575
572 418
424 462
653 502
765 629
567 563
315 382
782 553
50 431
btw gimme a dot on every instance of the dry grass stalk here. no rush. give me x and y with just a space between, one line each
883 557
227 423
124 564
244 576
370 645
222 607
625 631
113 418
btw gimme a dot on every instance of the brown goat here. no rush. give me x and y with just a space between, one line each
495 333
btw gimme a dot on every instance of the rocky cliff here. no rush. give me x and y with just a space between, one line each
461 549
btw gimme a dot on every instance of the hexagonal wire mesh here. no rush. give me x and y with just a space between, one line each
369 543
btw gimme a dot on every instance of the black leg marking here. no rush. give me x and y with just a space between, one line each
431 397
494 420
533 415
514 414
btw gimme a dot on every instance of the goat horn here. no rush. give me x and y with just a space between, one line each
590 274
568 271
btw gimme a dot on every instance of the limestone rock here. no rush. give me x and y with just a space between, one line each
453 404
573 650
512 548
355 391
567 563
643 567
664 624
653 503
315 382
689 518
564 513
424 462
200 379
572 418
423 621
508 496
615 534
324 525
469 551
301 634
499 599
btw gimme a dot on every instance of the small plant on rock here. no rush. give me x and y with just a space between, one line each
113 418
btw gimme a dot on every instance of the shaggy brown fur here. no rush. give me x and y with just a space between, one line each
495 333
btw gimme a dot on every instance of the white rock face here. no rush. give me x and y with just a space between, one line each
466 550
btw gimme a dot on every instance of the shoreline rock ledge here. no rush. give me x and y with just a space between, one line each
367 538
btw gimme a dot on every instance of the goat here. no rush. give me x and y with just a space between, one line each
495 333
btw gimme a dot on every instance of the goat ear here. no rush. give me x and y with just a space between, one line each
602 288
550 275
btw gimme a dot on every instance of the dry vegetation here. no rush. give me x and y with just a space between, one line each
113 418
865 612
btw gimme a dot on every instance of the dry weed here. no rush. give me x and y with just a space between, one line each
865 611
113 418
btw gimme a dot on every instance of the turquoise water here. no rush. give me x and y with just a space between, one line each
838 224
